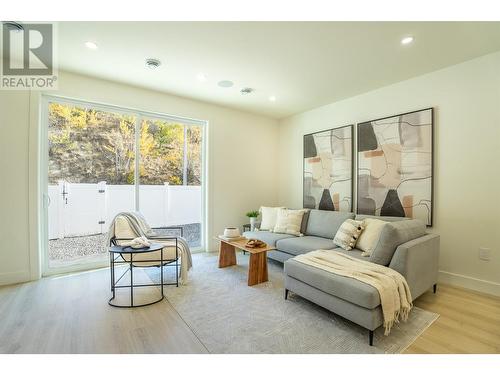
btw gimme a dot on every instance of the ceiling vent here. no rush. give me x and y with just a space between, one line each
153 63
246 90
13 26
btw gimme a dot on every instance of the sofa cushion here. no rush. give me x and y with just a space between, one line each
326 223
355 253
384 218
268 237
279 256
394 234
302 245
343 287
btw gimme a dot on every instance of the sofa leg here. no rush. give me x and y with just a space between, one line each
434 288
286 293
370 333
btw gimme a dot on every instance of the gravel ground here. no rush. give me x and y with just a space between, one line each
71 248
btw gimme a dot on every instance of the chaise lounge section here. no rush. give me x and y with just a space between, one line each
403 246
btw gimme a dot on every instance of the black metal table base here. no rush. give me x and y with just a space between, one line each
163 263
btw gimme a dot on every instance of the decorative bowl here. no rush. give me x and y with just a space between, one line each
231 232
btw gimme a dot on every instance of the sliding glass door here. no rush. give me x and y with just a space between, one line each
170 176
104 160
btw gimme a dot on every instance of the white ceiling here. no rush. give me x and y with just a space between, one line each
305 64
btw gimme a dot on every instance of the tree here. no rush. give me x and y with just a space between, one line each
88 146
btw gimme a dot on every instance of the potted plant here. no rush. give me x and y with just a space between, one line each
253 215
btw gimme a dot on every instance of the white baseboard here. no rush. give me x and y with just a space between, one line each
14 277
468 282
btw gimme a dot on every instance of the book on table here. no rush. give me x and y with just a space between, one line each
231 239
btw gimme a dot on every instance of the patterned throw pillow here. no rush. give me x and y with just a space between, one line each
269 216
348 234
289 221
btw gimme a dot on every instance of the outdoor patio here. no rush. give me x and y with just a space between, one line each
71 250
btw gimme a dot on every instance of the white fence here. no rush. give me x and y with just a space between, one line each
84 209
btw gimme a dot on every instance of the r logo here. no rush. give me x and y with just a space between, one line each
28 51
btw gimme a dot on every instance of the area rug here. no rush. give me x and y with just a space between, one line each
230 317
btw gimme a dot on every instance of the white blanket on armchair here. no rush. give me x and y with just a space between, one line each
130 225
395 296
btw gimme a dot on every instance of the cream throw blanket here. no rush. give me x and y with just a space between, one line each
132 225
395 296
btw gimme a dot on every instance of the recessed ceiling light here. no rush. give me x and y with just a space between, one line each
201 77
153 63
407 40
225 83
90 45
272 98
246 90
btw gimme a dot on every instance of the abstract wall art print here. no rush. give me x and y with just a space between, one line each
328 169
395 166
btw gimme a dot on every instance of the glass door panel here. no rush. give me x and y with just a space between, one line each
91 166
170 177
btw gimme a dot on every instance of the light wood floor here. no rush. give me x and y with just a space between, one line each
469 322
70 314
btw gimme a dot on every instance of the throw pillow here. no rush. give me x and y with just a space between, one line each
289 221
269 216
348 234
370 236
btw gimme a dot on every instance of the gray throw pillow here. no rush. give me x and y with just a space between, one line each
305 219
393 235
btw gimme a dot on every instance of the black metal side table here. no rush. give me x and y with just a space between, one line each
116 253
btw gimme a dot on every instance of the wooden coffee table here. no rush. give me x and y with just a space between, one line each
257 266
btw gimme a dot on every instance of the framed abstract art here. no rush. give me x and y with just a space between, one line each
328 169
395 166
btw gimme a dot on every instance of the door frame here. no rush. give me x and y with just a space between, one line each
44 100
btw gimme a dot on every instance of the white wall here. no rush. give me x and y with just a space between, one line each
242 154
466 98
14 160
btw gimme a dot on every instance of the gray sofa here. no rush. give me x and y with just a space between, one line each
403 246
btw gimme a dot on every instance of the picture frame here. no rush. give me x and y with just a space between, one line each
328 169
395 166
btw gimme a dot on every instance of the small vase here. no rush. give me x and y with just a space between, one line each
252 223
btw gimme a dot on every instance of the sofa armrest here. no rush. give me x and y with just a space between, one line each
417 260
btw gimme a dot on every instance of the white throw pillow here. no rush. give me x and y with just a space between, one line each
348 234
370 235
289 221
269 216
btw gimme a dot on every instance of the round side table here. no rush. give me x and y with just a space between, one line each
116 257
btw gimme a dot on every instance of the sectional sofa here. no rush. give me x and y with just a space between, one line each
403 246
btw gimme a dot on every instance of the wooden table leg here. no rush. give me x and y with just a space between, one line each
227 255
257 268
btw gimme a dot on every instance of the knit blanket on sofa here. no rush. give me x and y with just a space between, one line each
395 296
